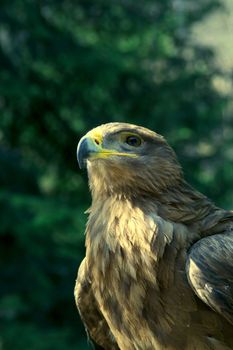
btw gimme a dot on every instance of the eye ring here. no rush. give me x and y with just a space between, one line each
133 141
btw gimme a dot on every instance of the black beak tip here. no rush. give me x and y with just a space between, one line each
81 163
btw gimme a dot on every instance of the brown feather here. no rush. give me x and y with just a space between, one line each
142 223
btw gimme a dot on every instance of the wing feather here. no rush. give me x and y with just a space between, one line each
96 326
210 272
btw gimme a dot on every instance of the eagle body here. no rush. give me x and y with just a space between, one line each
150 270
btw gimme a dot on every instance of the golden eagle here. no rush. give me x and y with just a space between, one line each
158 271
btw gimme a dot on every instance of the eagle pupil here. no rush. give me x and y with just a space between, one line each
133 141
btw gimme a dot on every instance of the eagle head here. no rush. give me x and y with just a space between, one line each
127 159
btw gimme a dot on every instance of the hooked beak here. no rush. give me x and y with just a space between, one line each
87 147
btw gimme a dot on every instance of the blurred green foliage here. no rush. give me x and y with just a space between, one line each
67 66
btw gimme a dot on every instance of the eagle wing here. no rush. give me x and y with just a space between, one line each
210 272
96 326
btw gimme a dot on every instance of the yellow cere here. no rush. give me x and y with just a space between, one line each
95 136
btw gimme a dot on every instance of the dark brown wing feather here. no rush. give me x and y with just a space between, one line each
95 324
210 272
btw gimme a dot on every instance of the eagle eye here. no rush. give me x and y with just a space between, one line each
133 140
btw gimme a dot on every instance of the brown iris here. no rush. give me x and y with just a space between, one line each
133 141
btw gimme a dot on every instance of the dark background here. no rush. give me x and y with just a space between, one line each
65 67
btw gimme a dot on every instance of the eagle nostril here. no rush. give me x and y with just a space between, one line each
96 141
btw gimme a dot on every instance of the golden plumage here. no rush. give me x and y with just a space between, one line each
159 255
